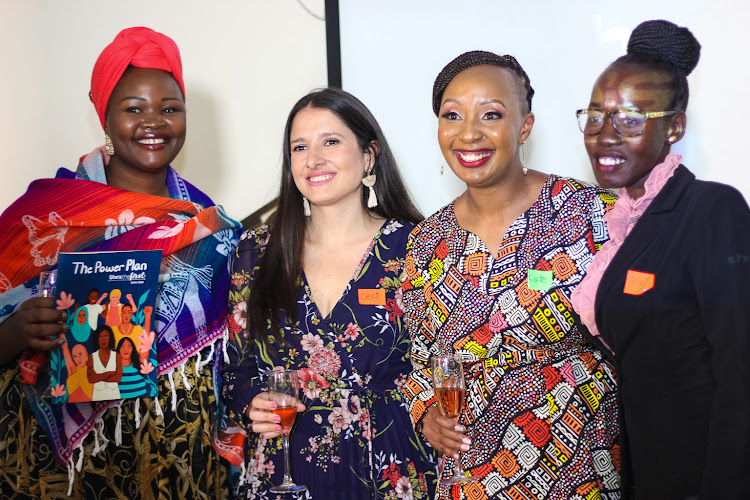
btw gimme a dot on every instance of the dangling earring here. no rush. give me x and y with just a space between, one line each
109 148
306 206
441 169
523 161
369 181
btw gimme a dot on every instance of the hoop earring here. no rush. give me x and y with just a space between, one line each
109 148
369 182
306 206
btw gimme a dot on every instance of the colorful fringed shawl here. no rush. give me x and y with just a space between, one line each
79 212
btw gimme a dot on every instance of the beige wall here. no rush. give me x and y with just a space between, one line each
245 64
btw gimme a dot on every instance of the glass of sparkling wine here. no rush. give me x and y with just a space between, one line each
47 283
283 389
448 382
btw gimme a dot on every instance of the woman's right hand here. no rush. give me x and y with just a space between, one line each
264 421
37 320
444 434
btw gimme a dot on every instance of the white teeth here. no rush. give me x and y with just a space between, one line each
151 141
472 157
609 161
319 178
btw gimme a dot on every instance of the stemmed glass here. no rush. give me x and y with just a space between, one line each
448 382
283 389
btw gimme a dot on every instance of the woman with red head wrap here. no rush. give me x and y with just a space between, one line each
125 196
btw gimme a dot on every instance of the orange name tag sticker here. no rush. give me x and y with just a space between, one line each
371 296
638 283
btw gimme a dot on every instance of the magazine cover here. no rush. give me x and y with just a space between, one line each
109 350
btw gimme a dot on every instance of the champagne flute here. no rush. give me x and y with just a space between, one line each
283 389
448 382
47 283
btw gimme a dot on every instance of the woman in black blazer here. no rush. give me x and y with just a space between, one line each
668 294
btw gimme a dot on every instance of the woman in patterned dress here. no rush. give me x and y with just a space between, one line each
488 278
319 293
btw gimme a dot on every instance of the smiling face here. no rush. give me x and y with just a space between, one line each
114 297
80 355
327 162
146 120
626 161
126 350
482 124
93 296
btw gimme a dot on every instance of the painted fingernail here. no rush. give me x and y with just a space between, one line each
273 406
277 428
465 447
276 418
459 428
62 341
466 440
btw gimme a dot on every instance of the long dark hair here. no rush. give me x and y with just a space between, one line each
275 285
135 358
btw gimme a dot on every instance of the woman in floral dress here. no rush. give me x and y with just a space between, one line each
488 278
319 292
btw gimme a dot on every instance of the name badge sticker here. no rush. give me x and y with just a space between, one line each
638 283
371 296
540 280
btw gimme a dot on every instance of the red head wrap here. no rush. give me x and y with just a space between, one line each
139 47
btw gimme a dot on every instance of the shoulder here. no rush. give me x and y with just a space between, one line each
252 245
255 239
714 202
428 234
576 194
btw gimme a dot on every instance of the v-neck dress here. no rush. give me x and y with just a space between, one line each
540 404
355 440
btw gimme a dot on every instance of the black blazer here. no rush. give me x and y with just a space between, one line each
683 347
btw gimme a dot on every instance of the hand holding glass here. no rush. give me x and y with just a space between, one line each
283 389
449 385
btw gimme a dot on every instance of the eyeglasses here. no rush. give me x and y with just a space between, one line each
627 123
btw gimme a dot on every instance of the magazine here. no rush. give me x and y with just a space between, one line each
109 350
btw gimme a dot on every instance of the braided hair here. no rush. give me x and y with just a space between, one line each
663 46
477 58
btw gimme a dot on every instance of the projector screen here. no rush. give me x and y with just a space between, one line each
391 52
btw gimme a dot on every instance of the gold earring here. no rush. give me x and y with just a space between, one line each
523 160
109 148
672 139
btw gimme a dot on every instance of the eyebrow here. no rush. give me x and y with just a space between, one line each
482 103
163 99
322 134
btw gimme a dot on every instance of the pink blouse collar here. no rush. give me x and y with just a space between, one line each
620 221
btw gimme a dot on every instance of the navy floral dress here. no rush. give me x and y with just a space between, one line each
356 439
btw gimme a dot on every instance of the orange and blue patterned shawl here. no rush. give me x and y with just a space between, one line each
79 212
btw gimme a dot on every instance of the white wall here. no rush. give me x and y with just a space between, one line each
392 50
245 64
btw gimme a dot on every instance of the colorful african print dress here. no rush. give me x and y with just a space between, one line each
355 440
540 407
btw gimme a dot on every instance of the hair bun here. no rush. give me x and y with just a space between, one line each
666 41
